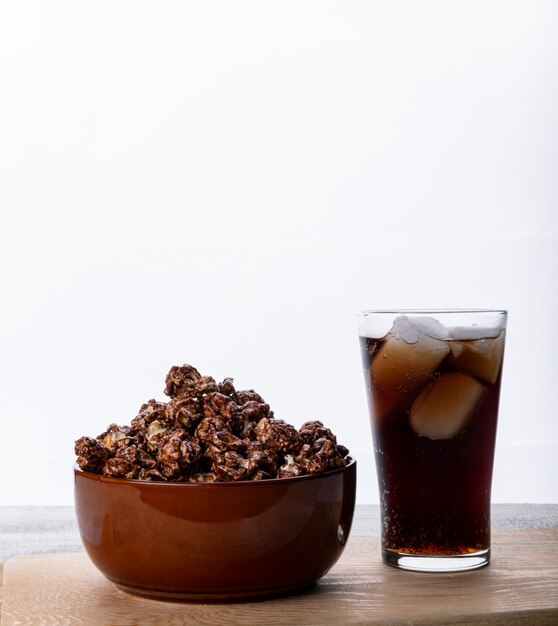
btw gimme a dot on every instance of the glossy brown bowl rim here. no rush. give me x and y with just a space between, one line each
228 484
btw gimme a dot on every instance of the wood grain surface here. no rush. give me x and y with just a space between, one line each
520 586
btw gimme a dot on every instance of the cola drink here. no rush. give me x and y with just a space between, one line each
433 391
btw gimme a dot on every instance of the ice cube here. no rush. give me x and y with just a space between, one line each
466 333
444 408
401 369
456 348
430 326
481 357
403 329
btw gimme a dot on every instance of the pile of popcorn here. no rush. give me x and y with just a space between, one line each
209 432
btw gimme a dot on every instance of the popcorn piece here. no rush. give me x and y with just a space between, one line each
120 468
226 387
277 434
115 436
183 411
255 411
181 380
247 395
154 434
149 412
232 466
136 455
261 460
224 440
208 427
178 455
205 385
319 457
310 431
151 474
203 477
290 468
91 454
218 405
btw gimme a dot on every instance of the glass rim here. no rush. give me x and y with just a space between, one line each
365 312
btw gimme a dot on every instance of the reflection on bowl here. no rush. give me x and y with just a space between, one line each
215 541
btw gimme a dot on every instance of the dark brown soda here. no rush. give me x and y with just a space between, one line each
434 493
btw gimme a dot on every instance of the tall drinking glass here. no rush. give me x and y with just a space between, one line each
433 385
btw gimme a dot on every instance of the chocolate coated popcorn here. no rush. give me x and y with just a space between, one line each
209 432
91 454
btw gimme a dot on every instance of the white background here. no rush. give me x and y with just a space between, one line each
226 183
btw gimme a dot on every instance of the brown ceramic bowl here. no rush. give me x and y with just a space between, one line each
219 541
